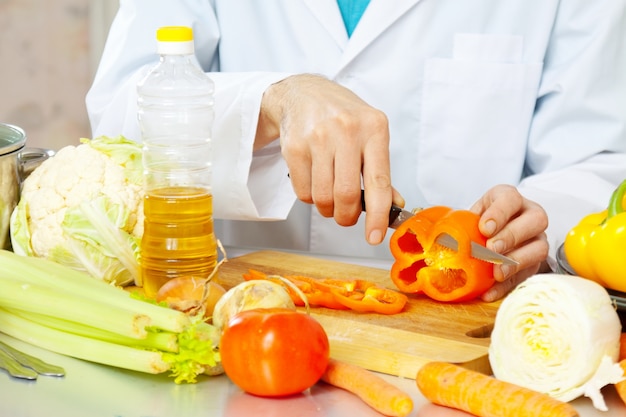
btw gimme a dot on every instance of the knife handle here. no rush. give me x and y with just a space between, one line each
394 212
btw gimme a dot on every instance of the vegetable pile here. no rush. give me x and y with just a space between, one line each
559 335
423 266
67 311
595 247
83 208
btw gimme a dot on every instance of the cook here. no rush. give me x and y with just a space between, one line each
516 109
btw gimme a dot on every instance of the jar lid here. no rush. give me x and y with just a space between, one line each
12 138
175 40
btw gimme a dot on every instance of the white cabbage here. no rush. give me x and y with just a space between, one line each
559 335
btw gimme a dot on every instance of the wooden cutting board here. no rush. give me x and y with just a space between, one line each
395 344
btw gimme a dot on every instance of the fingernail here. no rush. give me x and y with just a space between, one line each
498 246
506 270
490 296
375 237
490 227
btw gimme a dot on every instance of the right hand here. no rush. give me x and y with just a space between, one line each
330 139
514 226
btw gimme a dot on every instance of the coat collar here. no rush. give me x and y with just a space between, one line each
378 16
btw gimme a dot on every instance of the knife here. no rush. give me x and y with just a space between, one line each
398 215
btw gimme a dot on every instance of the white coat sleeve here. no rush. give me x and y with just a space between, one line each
243 187
577 142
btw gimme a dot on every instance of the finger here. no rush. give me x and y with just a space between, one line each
532 222
497 207
322 150
532 252
378 190
500 289
347 185
299 166
397 198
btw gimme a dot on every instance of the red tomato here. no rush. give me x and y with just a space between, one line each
274 352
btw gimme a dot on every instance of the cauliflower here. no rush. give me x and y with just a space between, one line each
84 208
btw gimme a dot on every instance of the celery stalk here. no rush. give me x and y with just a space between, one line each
44 272
80 347
55 302
197 347
66 311
160 340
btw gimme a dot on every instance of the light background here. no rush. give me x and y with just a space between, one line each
49 51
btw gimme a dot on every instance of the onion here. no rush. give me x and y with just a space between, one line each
187 294
248 295
559 335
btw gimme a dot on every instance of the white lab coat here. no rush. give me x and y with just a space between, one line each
477 92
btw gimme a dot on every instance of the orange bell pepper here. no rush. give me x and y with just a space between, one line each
423 266
357 295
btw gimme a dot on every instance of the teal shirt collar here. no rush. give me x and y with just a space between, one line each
351 12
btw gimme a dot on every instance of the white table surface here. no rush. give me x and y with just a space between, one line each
93 390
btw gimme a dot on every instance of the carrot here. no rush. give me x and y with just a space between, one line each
485 396
621 386
379 394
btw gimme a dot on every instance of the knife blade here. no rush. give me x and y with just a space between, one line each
398 215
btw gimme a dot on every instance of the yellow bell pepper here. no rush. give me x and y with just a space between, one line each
596 247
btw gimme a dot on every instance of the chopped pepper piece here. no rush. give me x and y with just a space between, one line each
369 297
357 295
423 266
596 246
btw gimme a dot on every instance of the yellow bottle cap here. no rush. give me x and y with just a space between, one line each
175 40
174 34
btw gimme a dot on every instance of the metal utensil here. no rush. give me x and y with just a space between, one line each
16 162
20 365
14 368
398 215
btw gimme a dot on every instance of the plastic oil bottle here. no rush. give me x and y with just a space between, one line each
175 112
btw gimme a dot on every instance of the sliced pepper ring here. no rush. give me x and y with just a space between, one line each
369 297
357 295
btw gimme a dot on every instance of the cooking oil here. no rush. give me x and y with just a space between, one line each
178 236
175 114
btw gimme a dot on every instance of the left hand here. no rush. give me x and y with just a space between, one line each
515 227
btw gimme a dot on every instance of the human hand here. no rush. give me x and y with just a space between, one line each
514 226
331 139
